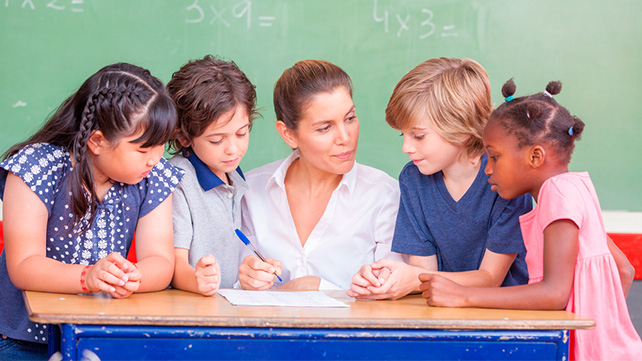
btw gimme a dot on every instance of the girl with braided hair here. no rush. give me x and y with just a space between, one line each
75 193
572 264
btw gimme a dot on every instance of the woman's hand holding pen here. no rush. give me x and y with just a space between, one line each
257 275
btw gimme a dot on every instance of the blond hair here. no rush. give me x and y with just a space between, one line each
452 94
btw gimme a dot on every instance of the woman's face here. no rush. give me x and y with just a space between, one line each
328 132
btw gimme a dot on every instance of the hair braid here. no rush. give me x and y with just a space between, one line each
120 100
539 118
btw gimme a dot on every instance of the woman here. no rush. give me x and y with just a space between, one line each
316 215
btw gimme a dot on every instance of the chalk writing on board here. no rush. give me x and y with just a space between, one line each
198 13
75 6
402 23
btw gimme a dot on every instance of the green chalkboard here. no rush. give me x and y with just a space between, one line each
48 47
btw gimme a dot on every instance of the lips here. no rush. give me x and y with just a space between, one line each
230 162
493 186
344 155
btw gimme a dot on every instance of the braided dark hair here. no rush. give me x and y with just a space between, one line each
539 118
120 100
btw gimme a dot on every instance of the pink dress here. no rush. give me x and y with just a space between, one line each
597 291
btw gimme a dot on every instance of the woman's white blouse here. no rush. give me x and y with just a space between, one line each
355 229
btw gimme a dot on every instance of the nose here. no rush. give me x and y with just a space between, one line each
231 146
342 135
407 147
488 169
155 156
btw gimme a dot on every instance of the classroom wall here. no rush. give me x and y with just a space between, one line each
49 47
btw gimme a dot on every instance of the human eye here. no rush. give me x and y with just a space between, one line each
324 129
418 136
241 134
216 142
351 118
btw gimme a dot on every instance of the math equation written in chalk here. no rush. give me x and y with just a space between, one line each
224 13
401 23
75 6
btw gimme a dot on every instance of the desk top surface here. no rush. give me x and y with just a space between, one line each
179 308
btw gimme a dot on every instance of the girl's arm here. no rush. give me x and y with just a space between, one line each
25 233
551 293
155 248
626 270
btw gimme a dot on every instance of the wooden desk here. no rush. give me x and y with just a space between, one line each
177 325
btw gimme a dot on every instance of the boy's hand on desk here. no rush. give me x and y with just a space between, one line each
257 275
302 283
366 277
208 275
440 291
396 279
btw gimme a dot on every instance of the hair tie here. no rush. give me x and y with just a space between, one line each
508 98
548 94
570 131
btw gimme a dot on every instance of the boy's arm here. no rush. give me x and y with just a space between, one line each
184 278
205 278
491 272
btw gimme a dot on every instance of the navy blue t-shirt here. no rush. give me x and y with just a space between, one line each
431 222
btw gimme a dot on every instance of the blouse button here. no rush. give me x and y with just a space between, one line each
230 195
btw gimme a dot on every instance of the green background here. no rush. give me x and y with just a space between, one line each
48 48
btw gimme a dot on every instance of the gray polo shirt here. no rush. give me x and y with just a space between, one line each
206 211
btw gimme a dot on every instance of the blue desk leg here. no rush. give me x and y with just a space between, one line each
53 335
68 342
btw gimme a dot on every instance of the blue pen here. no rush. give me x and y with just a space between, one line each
256 251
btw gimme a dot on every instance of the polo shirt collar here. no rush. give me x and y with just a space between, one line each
206 178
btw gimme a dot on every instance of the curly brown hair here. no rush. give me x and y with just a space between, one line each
205 89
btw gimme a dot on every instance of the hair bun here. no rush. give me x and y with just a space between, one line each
509 88
554 87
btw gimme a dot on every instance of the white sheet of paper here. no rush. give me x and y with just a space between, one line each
275 298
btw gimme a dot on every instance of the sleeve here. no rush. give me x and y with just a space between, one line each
41 166
504 233
158 185
411 234
559 200
384 226
327 285
182 219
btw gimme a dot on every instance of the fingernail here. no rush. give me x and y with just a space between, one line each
121 283
125 278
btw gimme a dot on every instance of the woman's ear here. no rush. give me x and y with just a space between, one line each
536 156
97 142
287 134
